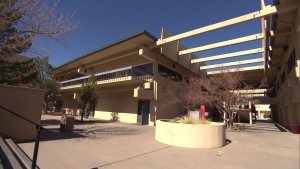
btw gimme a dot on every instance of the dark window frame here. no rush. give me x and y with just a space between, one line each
292 61
168 73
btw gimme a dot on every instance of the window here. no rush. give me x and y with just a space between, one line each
282 77
292 61
168 73
277 87
145 68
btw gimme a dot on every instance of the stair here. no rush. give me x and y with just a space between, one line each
12 157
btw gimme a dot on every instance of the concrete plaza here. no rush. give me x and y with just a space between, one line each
100 144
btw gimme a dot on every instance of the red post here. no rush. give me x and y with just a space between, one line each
203 112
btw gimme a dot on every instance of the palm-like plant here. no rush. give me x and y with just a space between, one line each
88 97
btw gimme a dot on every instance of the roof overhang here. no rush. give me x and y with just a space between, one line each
123 47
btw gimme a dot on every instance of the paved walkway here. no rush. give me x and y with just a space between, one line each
119 146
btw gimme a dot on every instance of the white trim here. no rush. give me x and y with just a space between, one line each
222 44
237 69
268 10
243 62
228 55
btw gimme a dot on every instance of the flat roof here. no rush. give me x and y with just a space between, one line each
142 32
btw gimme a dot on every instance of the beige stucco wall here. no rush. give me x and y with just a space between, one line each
262 109
26 102
120 102
127 117
70 104
288 94
123 102
123 96
191 135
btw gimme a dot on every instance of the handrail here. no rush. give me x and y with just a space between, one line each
24 118
39 128
109 75
260 94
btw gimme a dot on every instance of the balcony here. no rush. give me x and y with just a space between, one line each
262 95
266 97
129 73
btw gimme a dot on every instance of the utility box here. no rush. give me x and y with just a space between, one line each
148 85
195 114
67 123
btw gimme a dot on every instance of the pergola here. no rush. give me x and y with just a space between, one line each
273 22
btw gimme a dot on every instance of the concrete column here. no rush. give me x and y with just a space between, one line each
155 87
250 116
298 113
285 116
280 116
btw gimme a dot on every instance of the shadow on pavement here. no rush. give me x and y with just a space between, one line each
91 122
59 135
53 122
50 122
260 126
95 132
227 142
99 132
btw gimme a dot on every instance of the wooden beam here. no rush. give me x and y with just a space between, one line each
228 55
235 70
265 25
231 64
262 3
146 53
279 32
268 10
222 44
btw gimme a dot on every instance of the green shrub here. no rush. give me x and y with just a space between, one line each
189 120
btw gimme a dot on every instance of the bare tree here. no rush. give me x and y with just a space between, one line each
224 91
88 99
22 22
185 93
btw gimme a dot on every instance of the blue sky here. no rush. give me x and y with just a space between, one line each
106 21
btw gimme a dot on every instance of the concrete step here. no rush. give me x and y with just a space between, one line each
26 161
7 157
12 156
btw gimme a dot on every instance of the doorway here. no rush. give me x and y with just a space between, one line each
143 112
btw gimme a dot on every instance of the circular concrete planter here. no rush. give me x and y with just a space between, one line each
190 135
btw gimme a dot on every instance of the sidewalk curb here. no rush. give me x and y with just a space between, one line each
283 128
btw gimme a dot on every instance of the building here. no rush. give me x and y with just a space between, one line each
169 60
263 111
280 61
131 76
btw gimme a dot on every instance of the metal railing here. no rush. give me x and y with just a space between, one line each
114 75
39 128
261 95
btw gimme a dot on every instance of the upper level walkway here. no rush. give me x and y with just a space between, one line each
125 74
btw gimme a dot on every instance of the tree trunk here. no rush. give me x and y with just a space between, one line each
46 108
229 124
82 112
